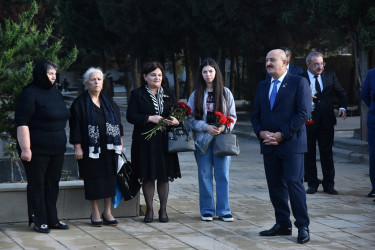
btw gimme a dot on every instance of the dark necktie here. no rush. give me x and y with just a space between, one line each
317 85
273 92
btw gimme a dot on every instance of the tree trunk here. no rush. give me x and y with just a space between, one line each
222 62
239 68
175 78
243 67
135 71
189 70
127 83
362 67
232 72
108 83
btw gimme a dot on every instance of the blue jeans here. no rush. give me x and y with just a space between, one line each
209 166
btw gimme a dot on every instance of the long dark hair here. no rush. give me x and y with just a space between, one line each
149 67
201 85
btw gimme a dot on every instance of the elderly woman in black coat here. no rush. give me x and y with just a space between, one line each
96 133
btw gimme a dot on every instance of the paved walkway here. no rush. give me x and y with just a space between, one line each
346 221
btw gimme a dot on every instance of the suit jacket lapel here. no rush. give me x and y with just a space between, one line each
324 80
306 76
283 87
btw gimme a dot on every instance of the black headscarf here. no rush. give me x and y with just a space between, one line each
40 77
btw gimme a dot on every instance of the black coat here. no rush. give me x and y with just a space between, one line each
323 114
140 107
79 135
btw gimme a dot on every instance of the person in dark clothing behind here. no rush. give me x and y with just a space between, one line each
40 118
96 133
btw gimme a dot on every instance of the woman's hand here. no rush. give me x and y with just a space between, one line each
23 137
154 118
171 121
213 130
26 155
78 152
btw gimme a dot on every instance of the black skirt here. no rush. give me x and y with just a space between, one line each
152 161
100 188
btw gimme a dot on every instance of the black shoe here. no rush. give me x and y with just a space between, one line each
303 235
42 228
163 220
96 223
111 223
277 230
226 218
311 189
60 225
149 219
207 217
371 194
330 190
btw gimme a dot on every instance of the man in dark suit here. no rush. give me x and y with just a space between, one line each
323 84
290 67
281 107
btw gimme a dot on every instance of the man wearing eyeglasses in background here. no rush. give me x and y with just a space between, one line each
323 84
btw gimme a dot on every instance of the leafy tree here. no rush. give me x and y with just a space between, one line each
339 22
21 45
81 22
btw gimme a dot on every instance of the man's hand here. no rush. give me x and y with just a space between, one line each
342 113
270 139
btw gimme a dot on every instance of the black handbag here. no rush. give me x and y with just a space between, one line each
180 139
128 180
226 144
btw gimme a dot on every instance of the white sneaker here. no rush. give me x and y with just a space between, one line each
207 217
226 218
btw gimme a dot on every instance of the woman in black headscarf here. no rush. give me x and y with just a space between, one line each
41 116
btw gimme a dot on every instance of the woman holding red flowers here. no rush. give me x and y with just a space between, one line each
148 107
210 97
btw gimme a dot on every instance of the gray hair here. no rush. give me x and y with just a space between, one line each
312 54
89 71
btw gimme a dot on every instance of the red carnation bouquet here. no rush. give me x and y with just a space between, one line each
221 120
310 121
180 112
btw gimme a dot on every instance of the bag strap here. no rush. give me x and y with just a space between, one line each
123 155
226 130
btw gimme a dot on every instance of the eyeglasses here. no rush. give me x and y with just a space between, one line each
319 64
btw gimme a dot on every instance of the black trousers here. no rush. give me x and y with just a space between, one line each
43 174
284 175
324 137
